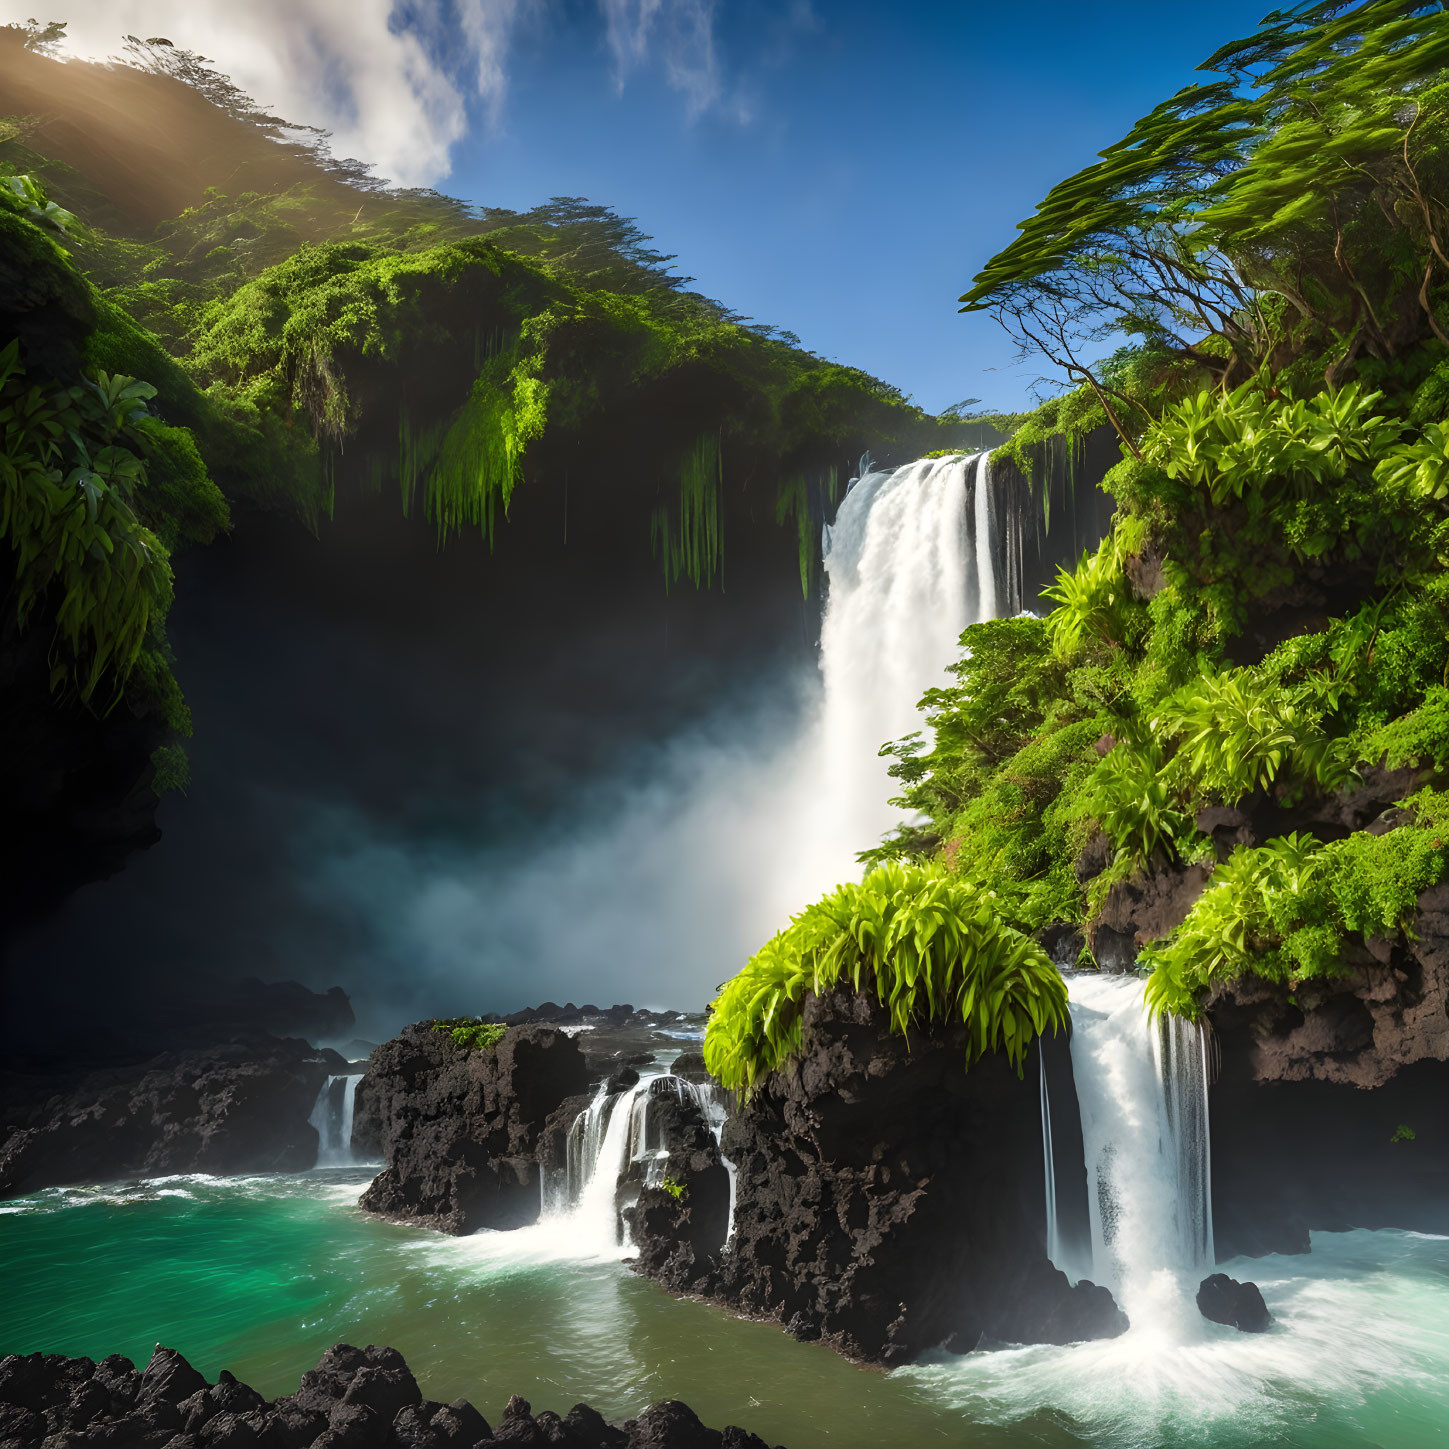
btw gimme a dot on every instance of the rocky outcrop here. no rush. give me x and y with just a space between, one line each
1140 909
860 1213
460 1129
356 1398
1331 1109
1238 1305
680 1217
241 1107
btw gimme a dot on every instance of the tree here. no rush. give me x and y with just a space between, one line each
1290 205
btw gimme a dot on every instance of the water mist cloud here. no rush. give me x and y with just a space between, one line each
653 886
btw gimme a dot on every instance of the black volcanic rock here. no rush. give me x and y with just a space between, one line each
886 1201
461 1129
1315 1082
356 1398
678 1234
1239 1305
241 1107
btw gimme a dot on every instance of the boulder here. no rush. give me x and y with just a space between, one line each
461 1130
356 1398
1239 1305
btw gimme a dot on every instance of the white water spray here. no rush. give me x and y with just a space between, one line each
1143 1094
614 1134
332 1117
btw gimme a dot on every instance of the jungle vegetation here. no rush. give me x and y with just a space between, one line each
175 350
1252 289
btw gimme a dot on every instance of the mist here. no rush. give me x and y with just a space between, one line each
651 886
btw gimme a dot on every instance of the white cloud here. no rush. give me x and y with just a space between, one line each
680 32
488 27
395 83
387 96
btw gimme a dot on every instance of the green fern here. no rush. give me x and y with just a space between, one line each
930 946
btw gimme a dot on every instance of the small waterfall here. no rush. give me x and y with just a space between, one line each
908 569
1142 1087
613 1135
332 1117
984 536
1049 1166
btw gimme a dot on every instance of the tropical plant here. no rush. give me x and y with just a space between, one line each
1137 800
1092 600
68 509
1231 930
1239 730
1253 446
931 947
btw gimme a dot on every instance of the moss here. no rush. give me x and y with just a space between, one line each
171 770
472 1033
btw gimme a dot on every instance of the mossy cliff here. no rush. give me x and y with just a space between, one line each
289 351
1221 754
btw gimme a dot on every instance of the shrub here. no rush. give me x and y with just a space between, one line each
1287 911
931 947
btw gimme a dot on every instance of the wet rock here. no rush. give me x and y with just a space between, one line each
1239 1305
690 1066
1143 908
168 1376
51 1402
241 1107
461 1130
860 1216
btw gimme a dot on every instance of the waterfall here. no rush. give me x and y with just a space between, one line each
332 1117
616 1141
908 569
1142 1087
984 533
1049 1166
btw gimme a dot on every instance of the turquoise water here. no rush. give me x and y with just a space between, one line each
261 1274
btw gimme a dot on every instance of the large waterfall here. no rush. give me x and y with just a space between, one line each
1142 1087
911 559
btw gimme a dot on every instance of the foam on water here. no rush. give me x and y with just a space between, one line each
1360 1332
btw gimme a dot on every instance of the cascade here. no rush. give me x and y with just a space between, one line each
1049 1166
614 1134
332 1117
984 537
909 566
1142 1087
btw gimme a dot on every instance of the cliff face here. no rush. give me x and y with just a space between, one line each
1316 1090
240 1107
888 1202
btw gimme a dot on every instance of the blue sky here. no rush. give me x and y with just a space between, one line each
837 168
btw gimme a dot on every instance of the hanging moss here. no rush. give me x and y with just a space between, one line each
687 538
808 501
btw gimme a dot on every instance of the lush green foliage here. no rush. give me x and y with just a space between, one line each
73 464
677 1190
933 950
1292 910
1290 208
472 1033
